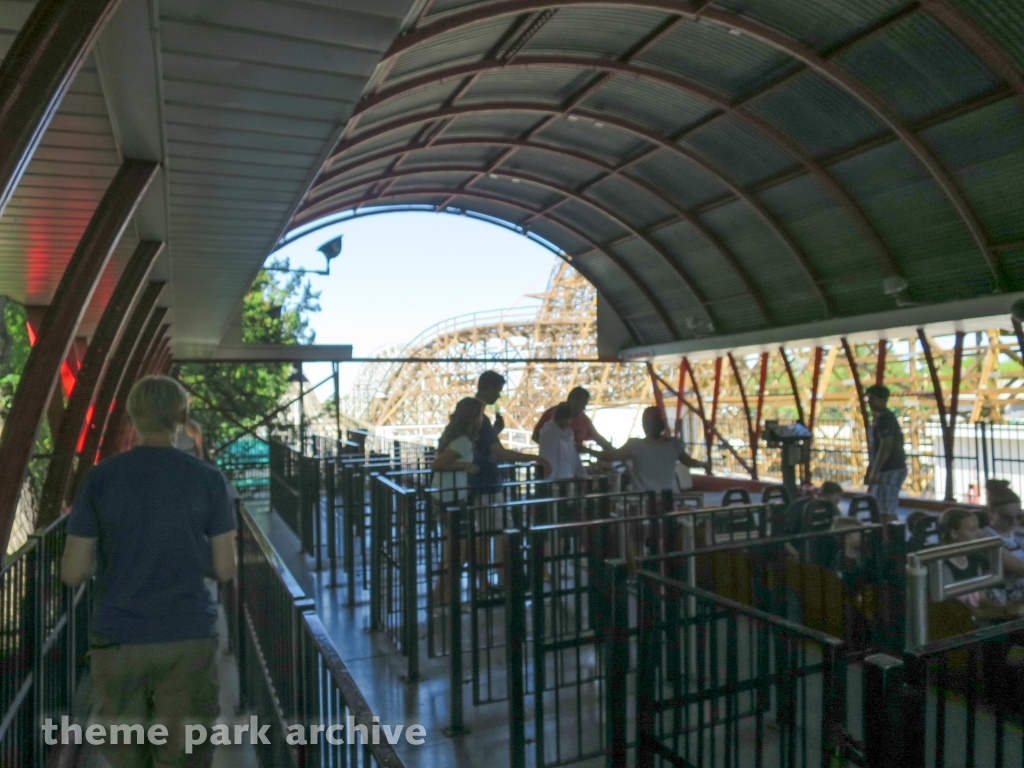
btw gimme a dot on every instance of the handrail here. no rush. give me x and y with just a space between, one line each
957 642
946 551
384 754
267 548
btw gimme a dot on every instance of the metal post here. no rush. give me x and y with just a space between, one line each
617 668
410 618
917 602
302 410
377 523
330 489
883 685
240 622
913 706
454 576
515 642
353 506
535 572
646 674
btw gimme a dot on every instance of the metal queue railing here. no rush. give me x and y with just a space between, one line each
290 672
704 699
44 638
953 702
568 583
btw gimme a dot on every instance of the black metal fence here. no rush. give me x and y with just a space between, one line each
44 635
289 670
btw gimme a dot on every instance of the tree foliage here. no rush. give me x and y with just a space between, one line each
275 311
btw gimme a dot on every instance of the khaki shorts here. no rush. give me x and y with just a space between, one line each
167 683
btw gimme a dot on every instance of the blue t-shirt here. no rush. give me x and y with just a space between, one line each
488 477
152 511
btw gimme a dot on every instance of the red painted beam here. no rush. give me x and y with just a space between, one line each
63 316
761 384
37 71
857 384
1018 329
132 336
940 401
792 385
883 346
115 315
751 432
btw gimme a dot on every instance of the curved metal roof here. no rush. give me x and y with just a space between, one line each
714 168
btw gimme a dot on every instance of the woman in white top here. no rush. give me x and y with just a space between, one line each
654 456
558 445
452 465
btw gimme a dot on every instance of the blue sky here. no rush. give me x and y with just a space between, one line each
400 273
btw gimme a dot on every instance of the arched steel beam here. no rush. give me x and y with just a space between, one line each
325 209
761 32
662 142
839 194
681 213
566 192
37 71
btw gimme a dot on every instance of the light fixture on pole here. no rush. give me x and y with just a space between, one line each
331 250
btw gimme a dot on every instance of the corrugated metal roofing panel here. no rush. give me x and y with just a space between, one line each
818 115
1003 20
617 286
226 97
664 109
211 117
833 245
560 236
588 220
244 45
767 260
679 178
467 44
506 125
370 147
221 153
744 154
937 255
611 144
631 202
552 166
603 31
250 74
242 141
421 101
1012 264
663 281
549 85
732 64
821 24
531 195
918 67
472 154
986 151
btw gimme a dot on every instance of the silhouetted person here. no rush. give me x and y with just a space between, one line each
887 466
148 522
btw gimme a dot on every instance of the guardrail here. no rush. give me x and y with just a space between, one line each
290 672
44 636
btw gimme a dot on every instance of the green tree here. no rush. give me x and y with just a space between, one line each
275 311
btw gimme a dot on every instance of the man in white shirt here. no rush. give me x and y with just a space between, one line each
558 445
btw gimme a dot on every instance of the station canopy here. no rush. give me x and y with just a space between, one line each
713 169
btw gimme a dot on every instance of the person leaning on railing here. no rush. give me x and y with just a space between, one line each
148 522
